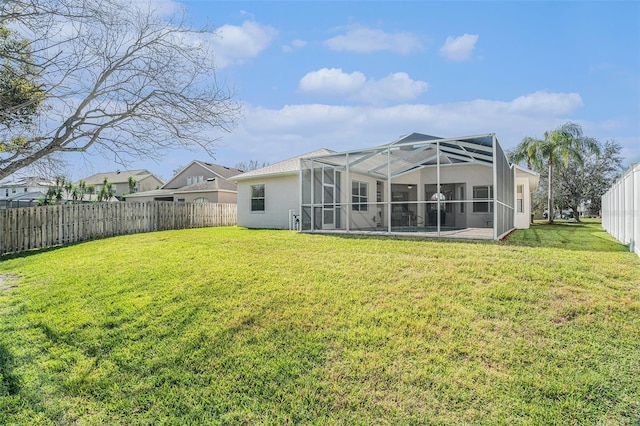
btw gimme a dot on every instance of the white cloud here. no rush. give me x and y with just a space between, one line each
366 40
295 44
547 103
459 48
235 44
276 134
398 87
332 81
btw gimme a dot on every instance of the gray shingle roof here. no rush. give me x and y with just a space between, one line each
209 185
153 193
225 172
290 165
118 176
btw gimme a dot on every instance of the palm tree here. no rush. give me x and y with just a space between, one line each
82 188
559 146
91 189
68 187
106 192
132 184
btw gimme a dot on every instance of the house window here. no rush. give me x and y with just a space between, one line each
359 196
201 200
461 197
257 198
194 179
520 199
25 190
181 200
483 193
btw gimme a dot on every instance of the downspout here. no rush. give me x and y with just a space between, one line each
632 233
438 188
495 188
301 186
313 198
349 194
389 190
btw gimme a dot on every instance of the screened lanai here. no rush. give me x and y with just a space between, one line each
419 184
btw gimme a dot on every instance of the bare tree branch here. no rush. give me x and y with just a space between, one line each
118 78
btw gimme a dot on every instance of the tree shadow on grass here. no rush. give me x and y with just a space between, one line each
33 252
9 380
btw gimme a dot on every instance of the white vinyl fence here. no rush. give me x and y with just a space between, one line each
48 226
621 209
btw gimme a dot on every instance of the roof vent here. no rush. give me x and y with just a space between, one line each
210 179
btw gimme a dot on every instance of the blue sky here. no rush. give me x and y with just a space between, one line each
348 75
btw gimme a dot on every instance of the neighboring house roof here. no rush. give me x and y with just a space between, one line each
221 171
119 176
209 185
28 181
218 183
292 165
154 193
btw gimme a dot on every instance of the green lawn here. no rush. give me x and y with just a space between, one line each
233 326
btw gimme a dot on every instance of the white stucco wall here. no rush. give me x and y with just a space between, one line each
523 220
281 194
361 219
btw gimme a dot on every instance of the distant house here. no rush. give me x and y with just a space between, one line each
145 181
199 182
418 185
23 192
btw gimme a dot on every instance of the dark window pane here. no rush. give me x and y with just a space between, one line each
257 204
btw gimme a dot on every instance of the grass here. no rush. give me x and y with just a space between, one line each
234 326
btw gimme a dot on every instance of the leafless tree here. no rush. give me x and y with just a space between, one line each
247 166
119 77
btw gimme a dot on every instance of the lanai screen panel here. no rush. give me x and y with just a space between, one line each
365 182
321 195
505 190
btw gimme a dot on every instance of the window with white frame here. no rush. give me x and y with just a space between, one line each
257 198
359 196
485 193
520 198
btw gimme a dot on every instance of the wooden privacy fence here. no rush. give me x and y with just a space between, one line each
48 226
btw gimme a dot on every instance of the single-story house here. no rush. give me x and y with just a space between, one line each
461 187
198 182
145 181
